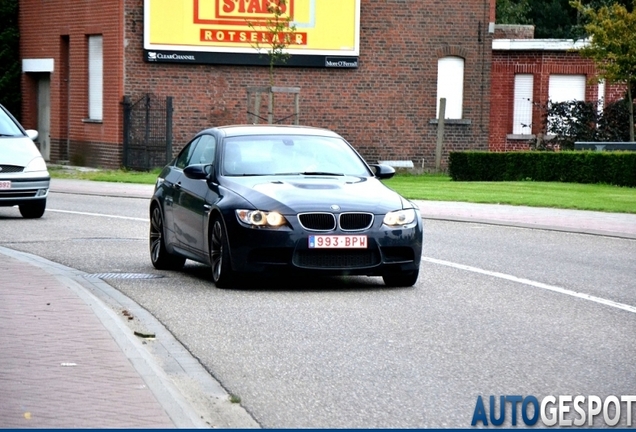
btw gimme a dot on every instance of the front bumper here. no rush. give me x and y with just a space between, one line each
24 190
287 249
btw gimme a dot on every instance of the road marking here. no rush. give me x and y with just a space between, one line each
557 289
98 214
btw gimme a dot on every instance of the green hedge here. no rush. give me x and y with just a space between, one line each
615 167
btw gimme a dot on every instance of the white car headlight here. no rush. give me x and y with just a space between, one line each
400 217
36 164
261 218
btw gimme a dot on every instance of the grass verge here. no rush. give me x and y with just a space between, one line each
527 193
115 176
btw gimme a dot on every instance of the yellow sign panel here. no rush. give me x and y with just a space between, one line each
322 27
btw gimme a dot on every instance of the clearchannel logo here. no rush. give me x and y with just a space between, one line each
563 410
155 56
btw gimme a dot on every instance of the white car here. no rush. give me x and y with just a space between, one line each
24 178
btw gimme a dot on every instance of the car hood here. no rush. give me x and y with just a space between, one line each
295 194
18 151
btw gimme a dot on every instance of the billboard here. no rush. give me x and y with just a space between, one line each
326 32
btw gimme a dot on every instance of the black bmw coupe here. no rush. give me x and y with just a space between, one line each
260 198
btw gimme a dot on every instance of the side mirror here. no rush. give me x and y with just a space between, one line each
383 171
32 133
199 171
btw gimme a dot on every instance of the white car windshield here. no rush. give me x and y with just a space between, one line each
291 155
8 128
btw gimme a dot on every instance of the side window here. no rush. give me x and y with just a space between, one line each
186 154
204 153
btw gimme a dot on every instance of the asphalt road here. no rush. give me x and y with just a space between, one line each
497 311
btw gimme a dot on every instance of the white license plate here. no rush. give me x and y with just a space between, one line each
5 184
337 242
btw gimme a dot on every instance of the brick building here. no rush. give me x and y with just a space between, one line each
82 59
526 73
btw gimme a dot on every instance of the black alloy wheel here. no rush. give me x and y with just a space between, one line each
222 273
161 259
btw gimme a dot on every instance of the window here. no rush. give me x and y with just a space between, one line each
450 85
565 88
522 111
95 77
183 160
204 153
601 96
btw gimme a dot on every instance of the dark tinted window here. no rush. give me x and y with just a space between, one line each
204 152
186 154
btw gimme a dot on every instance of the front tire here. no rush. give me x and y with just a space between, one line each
33 210
159 255
405 279
222 274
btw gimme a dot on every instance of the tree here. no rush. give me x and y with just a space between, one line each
612 46
10 56
513 11
278 34
551 18
554 19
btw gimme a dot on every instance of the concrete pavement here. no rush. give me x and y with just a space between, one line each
76 353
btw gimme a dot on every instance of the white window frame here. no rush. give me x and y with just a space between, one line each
522 108
95 77
450 85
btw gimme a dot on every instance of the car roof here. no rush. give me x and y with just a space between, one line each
266 129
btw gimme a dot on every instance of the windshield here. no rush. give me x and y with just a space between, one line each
8 126
290 155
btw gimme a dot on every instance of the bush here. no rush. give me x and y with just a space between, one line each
568 122
616 168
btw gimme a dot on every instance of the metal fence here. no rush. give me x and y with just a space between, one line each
147 132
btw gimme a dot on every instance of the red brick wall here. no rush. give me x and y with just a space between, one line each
541 64
43 26
384 108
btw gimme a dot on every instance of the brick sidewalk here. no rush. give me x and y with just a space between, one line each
59 366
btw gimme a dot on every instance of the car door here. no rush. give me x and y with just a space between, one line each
170 192
190 209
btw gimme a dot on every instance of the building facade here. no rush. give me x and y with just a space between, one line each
526 74
82 59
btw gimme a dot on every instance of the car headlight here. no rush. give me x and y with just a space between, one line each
36 164
400 217
261 218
